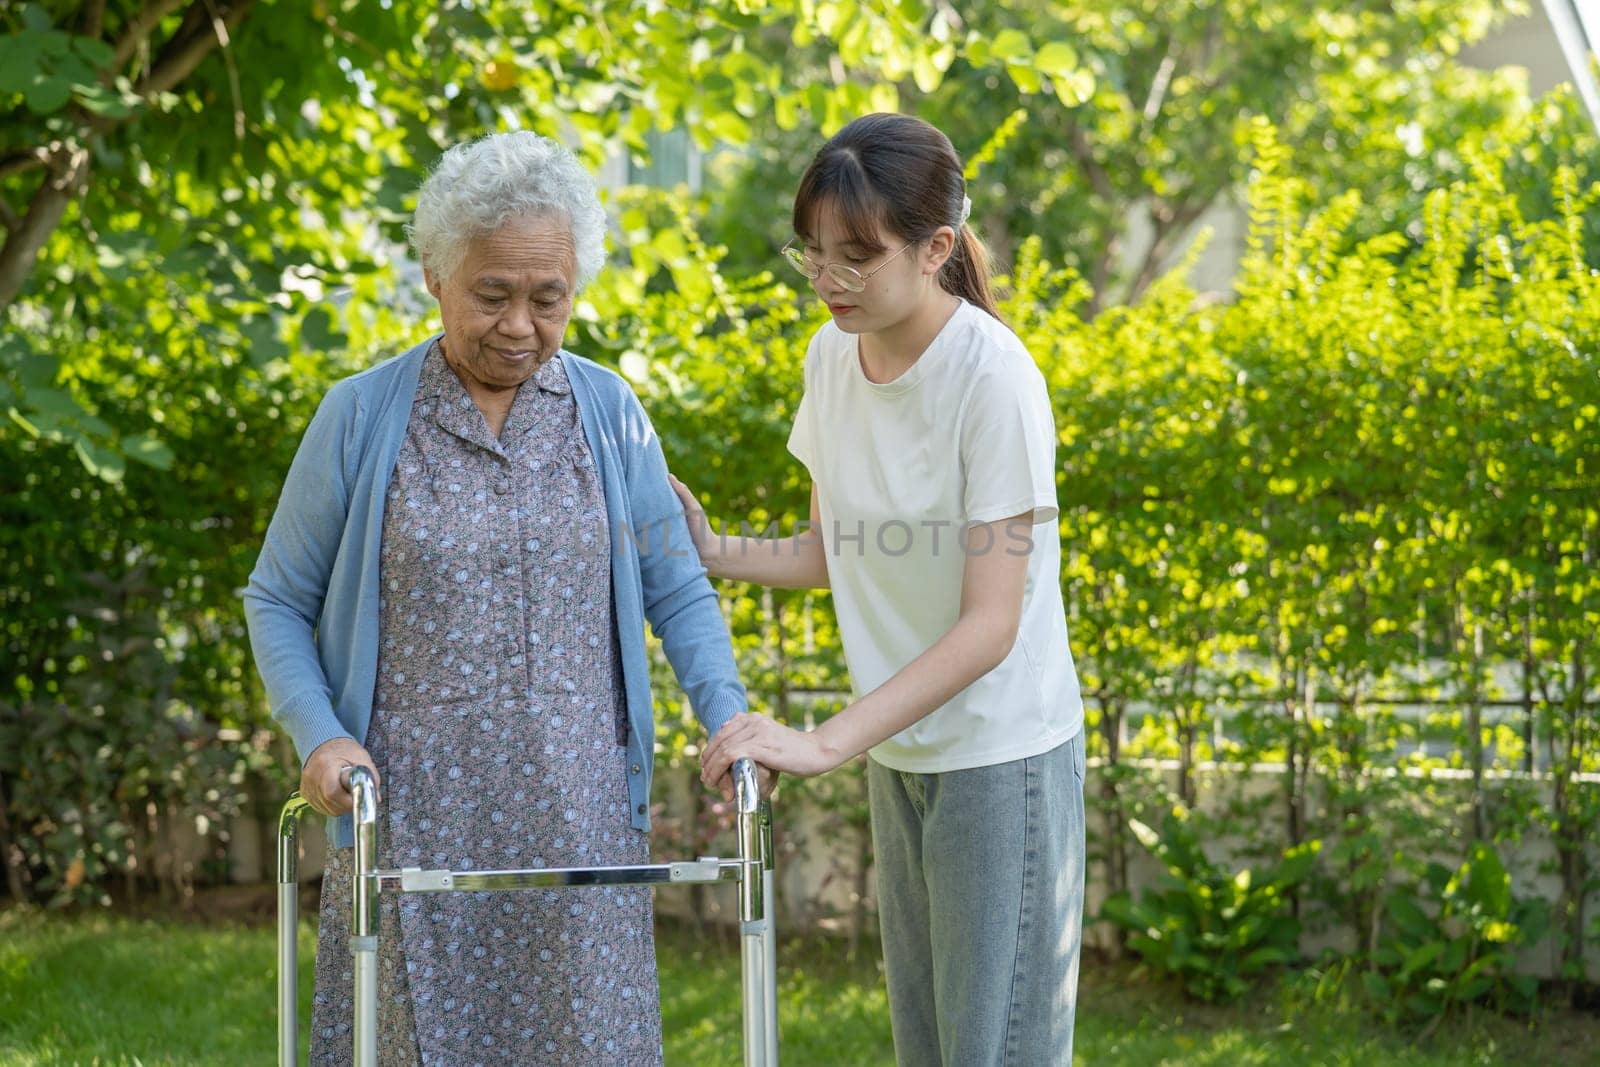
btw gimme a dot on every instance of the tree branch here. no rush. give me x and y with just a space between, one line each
9 220
69 162
139 29
94 19
1158 86
376 55
1213 37
1170 229
1100 273
69 175
1083 154
21 162
181 55
194 19
220 30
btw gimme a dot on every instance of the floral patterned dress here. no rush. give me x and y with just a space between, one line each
498 730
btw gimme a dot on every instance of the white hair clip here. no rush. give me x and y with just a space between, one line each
966 209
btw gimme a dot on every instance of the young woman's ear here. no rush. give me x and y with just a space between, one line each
940 247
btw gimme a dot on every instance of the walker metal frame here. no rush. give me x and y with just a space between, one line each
752 870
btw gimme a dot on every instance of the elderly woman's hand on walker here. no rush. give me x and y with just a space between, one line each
321 779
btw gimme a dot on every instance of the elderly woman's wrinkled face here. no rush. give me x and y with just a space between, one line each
506 308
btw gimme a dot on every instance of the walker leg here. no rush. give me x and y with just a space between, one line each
758 1041
758 953
769 937
755 882
364 920
289 930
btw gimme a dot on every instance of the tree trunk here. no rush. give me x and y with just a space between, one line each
1297 704
697 820
1569 853
1570 825
780 658
206 26
1479 828
130 866
1186 717
1186 787
1354 819
1528 723
18 883
1112 718
64 182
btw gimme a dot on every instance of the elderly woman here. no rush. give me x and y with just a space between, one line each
453 592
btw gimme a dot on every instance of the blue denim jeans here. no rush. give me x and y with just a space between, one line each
980 904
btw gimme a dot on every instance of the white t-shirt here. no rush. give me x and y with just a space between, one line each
902 468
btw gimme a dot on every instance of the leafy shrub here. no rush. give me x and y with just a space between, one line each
1450 940
1212 929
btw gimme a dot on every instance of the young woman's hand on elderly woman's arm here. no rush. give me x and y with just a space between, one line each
794 562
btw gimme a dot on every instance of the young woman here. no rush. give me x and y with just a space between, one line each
927 431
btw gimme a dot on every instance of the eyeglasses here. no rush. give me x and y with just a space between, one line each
848 277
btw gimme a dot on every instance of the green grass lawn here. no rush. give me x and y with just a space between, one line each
112 990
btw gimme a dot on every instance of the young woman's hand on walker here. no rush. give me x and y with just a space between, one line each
771 744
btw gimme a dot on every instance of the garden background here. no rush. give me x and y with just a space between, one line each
1330 529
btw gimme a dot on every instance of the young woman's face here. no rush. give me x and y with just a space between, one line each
899 276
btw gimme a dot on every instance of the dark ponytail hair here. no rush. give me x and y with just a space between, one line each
904 174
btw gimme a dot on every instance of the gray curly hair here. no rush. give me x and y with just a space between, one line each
478 187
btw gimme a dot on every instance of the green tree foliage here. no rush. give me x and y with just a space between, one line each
201 203
1365 481
1316 485
1372 474
1121 123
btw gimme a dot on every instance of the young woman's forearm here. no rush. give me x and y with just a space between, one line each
973 647
795 562
984 633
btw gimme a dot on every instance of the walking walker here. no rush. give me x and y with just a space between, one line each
752 870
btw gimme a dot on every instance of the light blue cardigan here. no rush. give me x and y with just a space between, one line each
312 601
